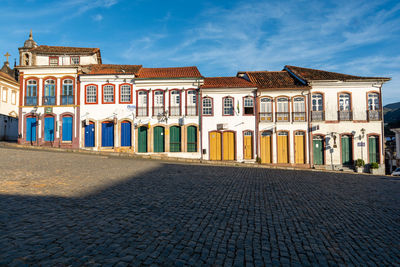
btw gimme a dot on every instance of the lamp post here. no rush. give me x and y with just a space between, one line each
333 135
361 137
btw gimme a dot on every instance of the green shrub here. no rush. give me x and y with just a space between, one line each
359 163
374 165
258 160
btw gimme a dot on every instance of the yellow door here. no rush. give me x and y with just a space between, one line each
266 147
215 146
283 147
248 145
229 145
299 147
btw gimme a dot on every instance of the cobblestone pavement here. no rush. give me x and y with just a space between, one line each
61 209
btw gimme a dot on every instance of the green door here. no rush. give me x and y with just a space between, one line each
158 139
142 139
373 149
318 150
347 151
175 139
192 139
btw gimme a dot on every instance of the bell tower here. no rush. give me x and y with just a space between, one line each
25 55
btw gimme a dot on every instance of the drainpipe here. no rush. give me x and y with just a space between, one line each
200 101
310 145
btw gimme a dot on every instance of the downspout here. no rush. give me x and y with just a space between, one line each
310 145
200 122
257 136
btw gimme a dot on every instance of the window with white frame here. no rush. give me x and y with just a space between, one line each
142 103
299 104
75 60
317 102
207 106
108 93
175 103
158 108
282 104
266 105
53 61
191 105
13 98
91 94
344 102
4 94
373 101
228 106
248 105
126 93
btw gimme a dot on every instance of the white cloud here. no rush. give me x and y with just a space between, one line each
97 17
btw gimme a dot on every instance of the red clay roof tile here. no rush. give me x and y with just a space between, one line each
307 74
46 49
178 72
226 82
114 69
274 80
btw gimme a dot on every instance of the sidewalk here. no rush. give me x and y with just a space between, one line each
171 159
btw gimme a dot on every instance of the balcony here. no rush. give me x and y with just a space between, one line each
49 101
159 110
67 100
175 111
282 116
374 115
298 116
191 111
317 115
265 116
345 115
142 111
30 101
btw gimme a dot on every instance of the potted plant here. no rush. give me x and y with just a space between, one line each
359 164
374 167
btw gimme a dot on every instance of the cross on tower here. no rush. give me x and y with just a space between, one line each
7 55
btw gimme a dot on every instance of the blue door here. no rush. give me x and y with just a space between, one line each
125 133
49 129
107 134
67 129
31 129
89 135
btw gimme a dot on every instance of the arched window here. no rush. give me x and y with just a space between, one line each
108 93
67 97
248 105
49 97
191 105
91 94
207 106
175 103
228 106
317 102
31 93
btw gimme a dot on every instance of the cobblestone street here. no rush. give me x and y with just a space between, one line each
62 209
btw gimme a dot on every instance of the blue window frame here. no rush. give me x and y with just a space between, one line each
67 129
107 134
31 93
49 129
49 92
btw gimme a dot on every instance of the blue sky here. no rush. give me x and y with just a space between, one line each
219 37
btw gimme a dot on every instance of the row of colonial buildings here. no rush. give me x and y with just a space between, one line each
293 117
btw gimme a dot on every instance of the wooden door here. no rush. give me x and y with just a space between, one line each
126 133
265 145
89 135
282 143
175 139
299 147
107 134
248 145
49 129
158 139
373 149
228 145
318 150
142 139
215 145
31 129
347 152
191 139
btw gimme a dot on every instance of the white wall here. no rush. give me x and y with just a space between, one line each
43 60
